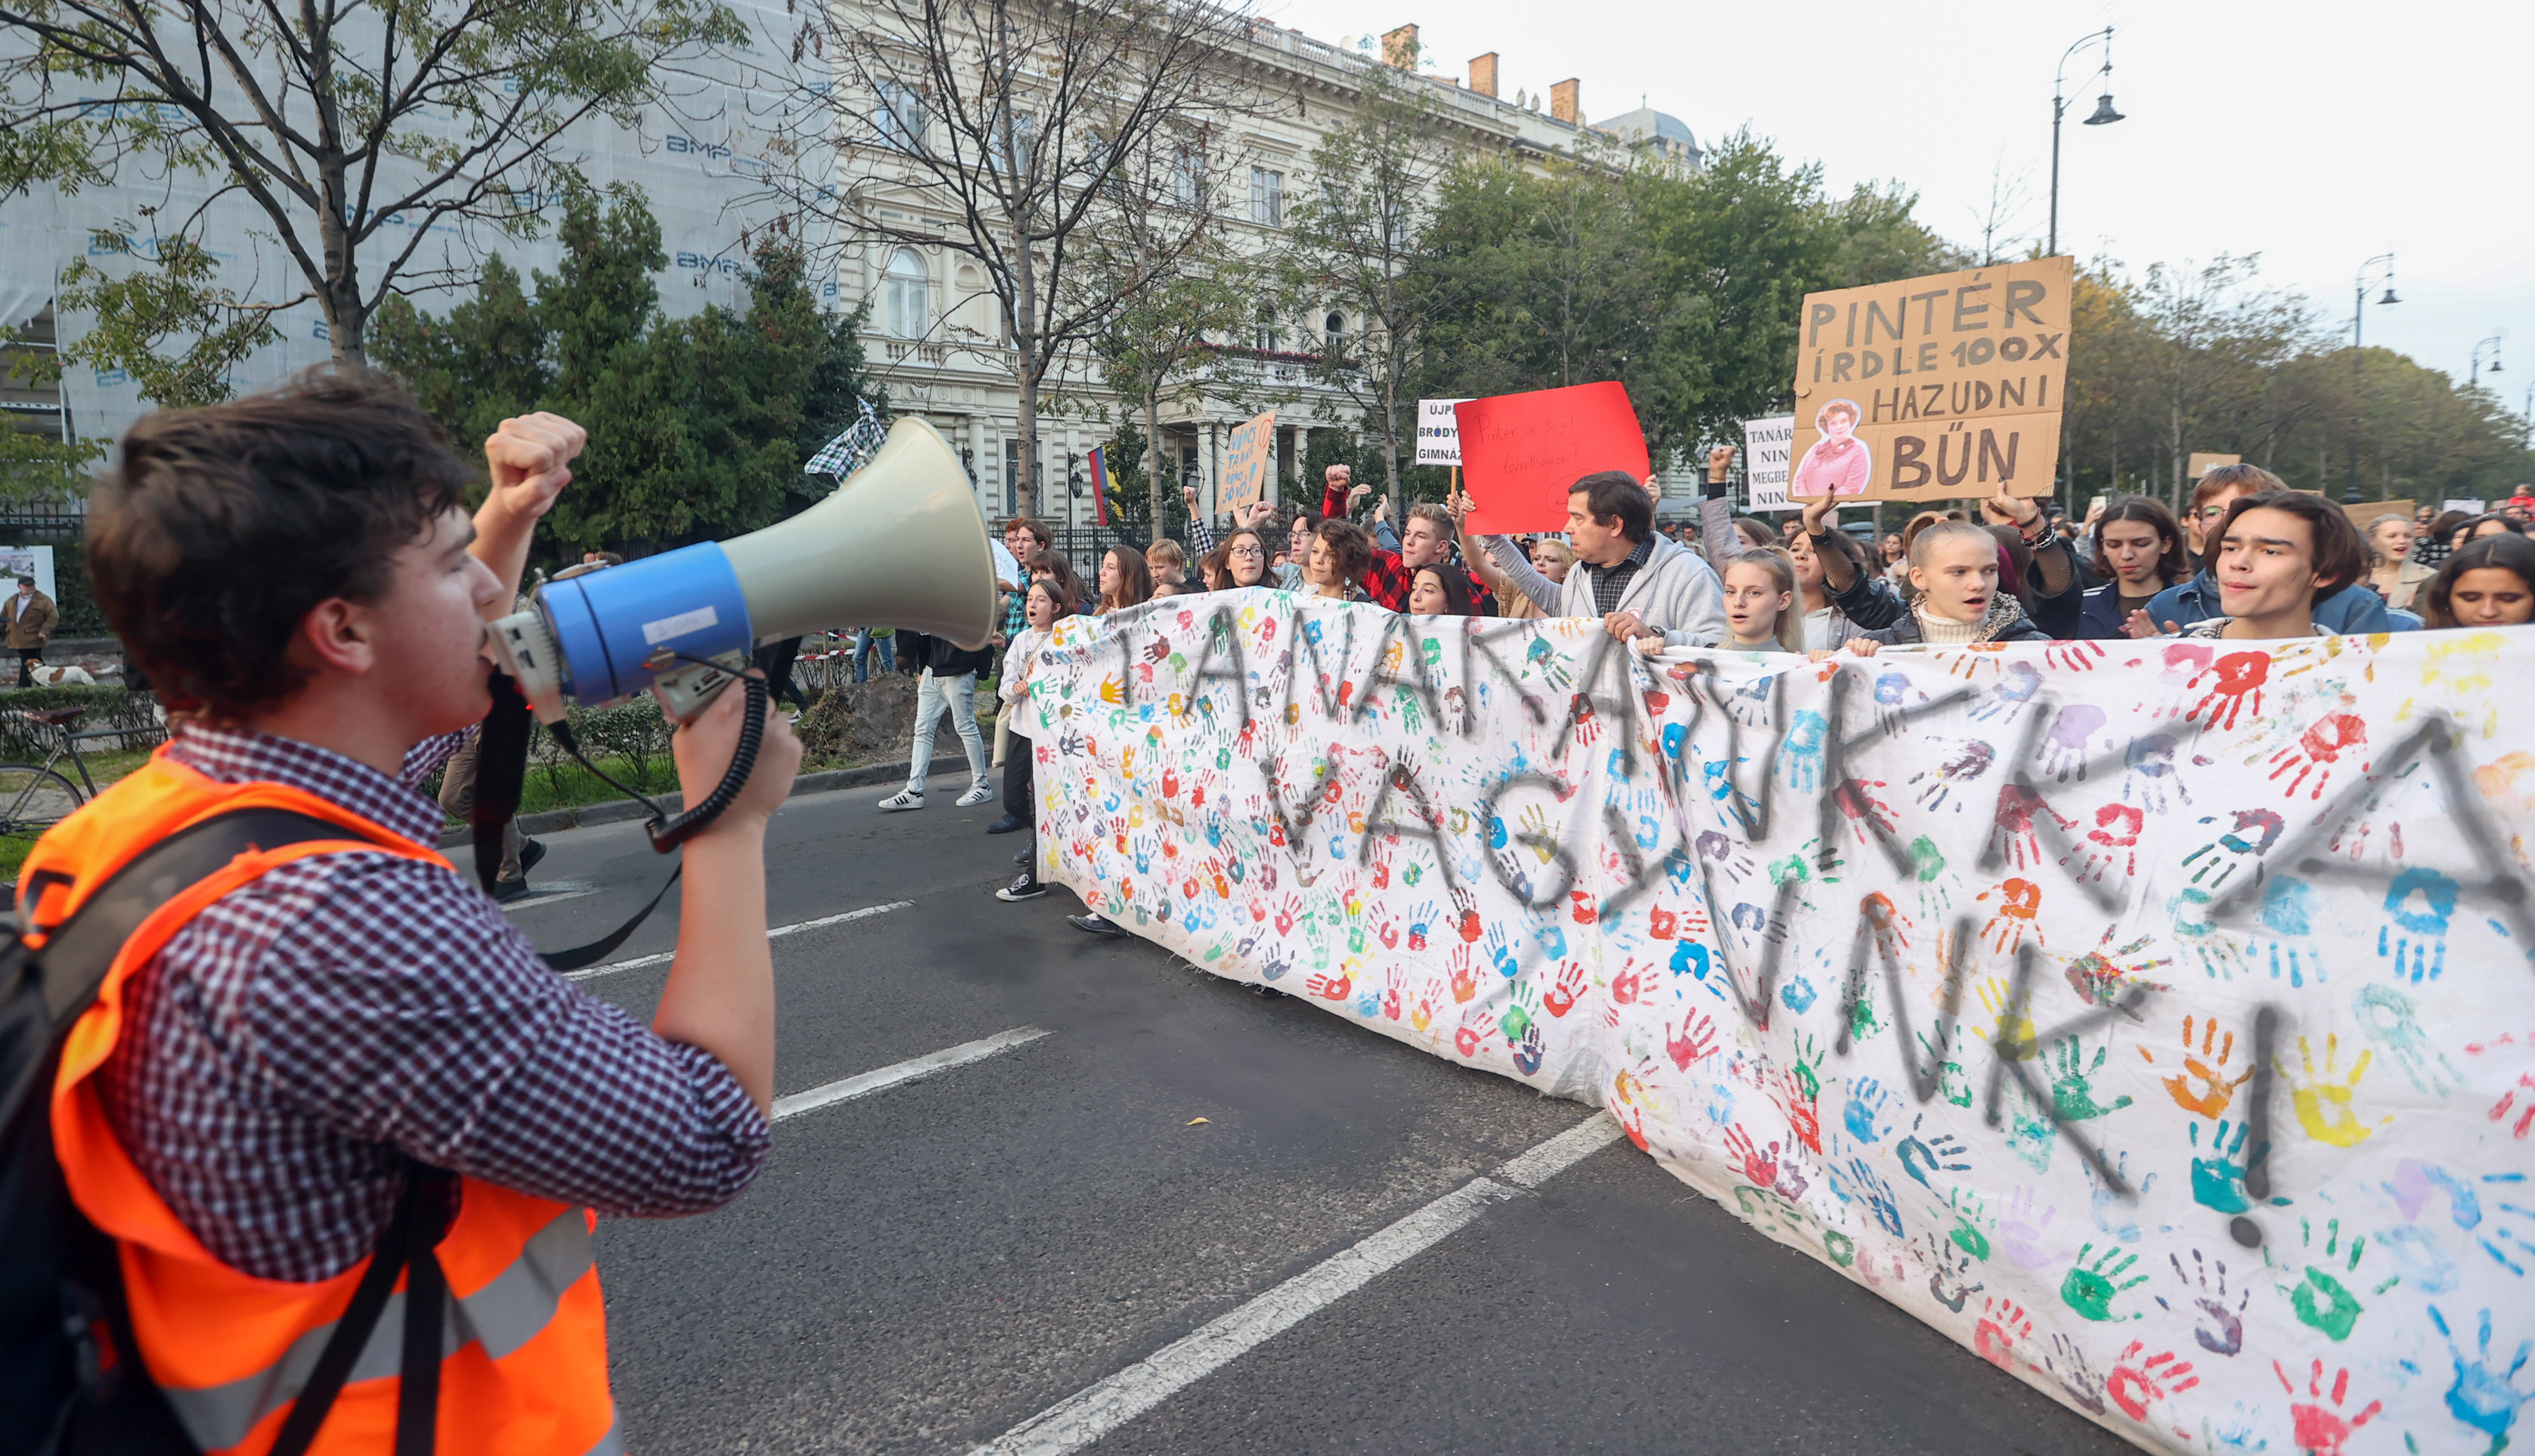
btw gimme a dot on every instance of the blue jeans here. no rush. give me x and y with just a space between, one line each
935 697
864 641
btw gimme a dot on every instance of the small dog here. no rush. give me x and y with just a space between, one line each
73 676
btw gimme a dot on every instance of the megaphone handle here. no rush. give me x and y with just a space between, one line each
667 834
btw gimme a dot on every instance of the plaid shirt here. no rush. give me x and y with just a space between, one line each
1611 583
1388 580
306 1032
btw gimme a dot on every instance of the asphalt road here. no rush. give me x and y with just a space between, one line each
930 1267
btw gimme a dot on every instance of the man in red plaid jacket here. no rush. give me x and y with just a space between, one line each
1425 541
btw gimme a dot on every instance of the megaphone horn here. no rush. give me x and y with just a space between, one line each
901 543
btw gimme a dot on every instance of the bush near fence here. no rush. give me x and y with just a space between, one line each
134 714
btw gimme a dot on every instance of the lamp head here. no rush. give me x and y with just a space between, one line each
2390 295
2104 112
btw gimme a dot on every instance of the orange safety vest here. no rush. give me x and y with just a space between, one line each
525 1373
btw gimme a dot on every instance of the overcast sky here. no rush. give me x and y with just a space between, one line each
2315 136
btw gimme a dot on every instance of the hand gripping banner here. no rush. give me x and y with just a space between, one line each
2153 1018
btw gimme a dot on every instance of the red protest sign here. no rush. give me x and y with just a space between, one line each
1520 453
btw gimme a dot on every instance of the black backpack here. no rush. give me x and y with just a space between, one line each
70 1382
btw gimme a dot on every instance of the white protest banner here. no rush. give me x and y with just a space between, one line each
1766 452
1439 432
2152 1017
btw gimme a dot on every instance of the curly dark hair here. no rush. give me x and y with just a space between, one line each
1351 545
225 526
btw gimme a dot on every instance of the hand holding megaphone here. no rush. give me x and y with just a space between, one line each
901 543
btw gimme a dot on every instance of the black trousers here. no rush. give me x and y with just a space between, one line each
1018 800
27 657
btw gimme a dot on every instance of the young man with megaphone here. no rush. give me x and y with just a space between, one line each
335 1054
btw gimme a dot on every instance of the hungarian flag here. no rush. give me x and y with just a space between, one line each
1100 484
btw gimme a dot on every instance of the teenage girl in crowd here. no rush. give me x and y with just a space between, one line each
1240 561
2490 582
1048 604
1340 555
1125 580
1761 596
2392 572
2138 552
1815 551
1956 564
1440 591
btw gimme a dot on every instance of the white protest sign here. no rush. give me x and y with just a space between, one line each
1439 432
30 561
2152 1017
1768 445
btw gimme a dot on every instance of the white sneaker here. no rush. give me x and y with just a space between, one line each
904 799
978 794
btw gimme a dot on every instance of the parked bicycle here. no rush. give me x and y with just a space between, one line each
35 797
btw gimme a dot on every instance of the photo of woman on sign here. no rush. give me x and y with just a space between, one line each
1838 463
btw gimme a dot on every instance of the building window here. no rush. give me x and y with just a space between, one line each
1267 197
906 289
1262 335
1333 330
1188 177
1016 138
900 118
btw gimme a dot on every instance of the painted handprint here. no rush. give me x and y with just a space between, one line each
1949 1273
2077 656
2318 750
1561 996
2255 833
1694 1043
2140 1380
2389 1016
2073 1092
1761 1167
1940 1152
1972 1223
2114 1201
2235 684
2016 688
2112 843
1864 1118
2321 1429
2418 904
2091 1287
2003 1326
1858 804
2011 1033
1799 756
2020 1232
2320 1298
2218 1179
1877 1193
2147 772
2484 1396
2221 1328
2067 1362
2019 903
2064 747
2013 836
1969 762
2322 1101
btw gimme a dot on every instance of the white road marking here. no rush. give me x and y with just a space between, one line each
776 934
904 1071
1099 1409
561 890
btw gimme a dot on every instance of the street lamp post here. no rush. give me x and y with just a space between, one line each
2473 376
2104 116
2380 266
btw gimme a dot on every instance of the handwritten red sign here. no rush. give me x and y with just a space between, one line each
1520 453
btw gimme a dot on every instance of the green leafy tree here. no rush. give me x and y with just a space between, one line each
1354 245
483 363
360 132
177 296
39 466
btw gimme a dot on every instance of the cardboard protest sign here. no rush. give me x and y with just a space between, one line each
1520 453
1932 389
2203 462
1765 454
1439 433
2149 1017
2366 510
1249 458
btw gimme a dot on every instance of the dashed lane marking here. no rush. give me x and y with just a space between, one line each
1096 1410
776 934
904 1071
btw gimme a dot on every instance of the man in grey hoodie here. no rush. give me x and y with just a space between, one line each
1626 577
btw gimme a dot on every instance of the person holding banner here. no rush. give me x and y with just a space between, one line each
2490 582
1626 577
2280 555
1840 595
2351 613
